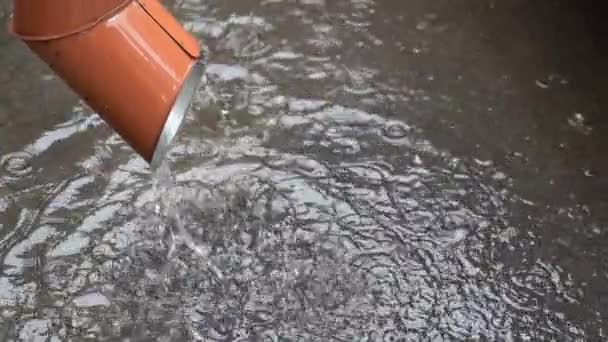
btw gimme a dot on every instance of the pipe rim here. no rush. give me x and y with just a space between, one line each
178 112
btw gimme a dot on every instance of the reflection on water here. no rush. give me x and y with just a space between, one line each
306 212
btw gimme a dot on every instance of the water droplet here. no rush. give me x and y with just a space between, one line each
499 176
542 84
421 26
245 40
17 164
577 121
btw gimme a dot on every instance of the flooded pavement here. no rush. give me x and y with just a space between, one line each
372 171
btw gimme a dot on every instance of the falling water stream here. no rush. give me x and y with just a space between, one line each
307 197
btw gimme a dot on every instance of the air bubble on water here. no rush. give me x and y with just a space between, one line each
16 164
208 149
396 133
396 130
394 335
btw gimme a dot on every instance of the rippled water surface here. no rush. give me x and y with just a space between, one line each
353 170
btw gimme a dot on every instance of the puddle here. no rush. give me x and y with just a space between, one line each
306 199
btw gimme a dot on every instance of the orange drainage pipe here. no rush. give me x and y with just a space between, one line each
130 60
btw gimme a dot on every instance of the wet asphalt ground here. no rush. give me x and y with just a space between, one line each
381 171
